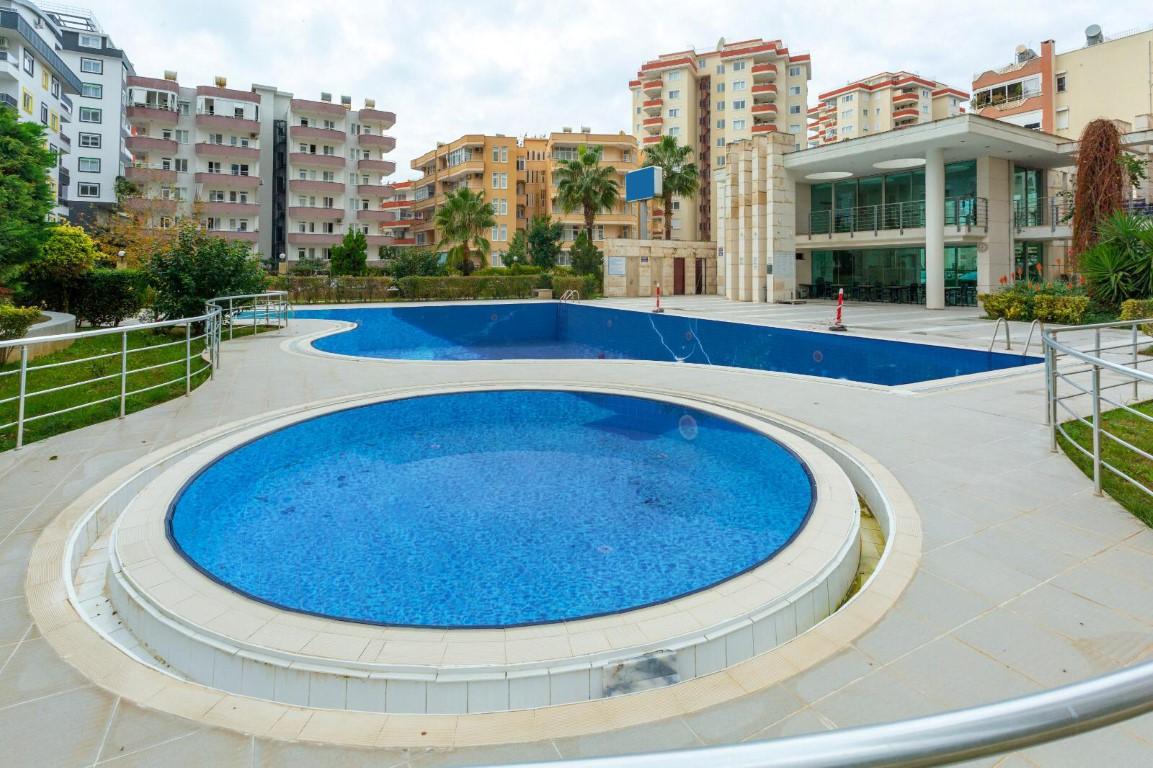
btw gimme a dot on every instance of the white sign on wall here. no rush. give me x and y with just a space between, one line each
616 265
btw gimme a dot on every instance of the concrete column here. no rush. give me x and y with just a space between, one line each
934 229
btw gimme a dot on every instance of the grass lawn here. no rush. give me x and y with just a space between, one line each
164 349
1133 430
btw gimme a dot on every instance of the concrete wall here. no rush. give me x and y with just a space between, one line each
648 262
57 323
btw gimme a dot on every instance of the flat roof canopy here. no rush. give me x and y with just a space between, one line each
964 137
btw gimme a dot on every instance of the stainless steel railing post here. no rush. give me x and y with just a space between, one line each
22 397
187 359
123 374
1097 430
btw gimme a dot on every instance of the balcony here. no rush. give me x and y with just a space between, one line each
373 214
153 84
381 166
650 139
905 97
764 128
311 132
316 160
653 86
375 141
966 214
909 113
769 110
385 119
150 206
227 150
230 209
315 213
396 204
468 167
375 241
150 144
147 115
404 241
143 174
227 123
764 73
314 238
325 108
316 185
653 124
653 106
375 190
236 235
227 180
65 142
764 93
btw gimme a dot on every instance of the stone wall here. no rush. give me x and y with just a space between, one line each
645 263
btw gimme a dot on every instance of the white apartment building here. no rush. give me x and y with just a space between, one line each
98 127
708 100
37 82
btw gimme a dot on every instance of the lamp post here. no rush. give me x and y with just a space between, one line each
120 258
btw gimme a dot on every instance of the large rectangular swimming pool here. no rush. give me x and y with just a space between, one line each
550 330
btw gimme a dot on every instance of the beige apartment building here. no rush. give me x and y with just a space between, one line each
1109 76
884 102
517 176
290 176
708 100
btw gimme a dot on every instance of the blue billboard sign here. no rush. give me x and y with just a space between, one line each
643 184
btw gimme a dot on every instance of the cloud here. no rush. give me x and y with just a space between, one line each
520 67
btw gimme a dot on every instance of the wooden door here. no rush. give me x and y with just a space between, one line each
678 277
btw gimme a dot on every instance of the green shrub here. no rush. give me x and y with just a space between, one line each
335 290
1120 265
586 285
14 323
1064 310
1138 309
473 287
1009 305
51 281
196 267
308 267
413 262
350 256
107 297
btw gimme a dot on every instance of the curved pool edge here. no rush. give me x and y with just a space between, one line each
52 599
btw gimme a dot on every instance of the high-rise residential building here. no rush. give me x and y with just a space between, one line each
707 100
518 177
37 82
290 176
98 128
1108 76
399 225
884 102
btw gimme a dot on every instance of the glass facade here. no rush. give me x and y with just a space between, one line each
1029 197
1029 260
890 200
892 274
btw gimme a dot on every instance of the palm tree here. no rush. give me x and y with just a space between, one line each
583 183
462 222
681 177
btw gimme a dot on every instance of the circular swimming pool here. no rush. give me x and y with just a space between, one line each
491 509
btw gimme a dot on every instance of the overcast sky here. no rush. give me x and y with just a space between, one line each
527 67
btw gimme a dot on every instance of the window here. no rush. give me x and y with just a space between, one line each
500 233
45 79
183 107
182 136
88 164
674 112
739 104
55 87
720 87
180 164
1061 83
26 101
44 114
500 154
92 66
848 128
720 161
738 66
1063 119
673 76
794 128
29 62
794 90
720 69
500 181
795 109
674 94
794 71
721 124
90 140
720 142
90 115
90 41
329 124
87 189
720 106
214 166
847 98
674 131
738 125
739 85
240 169
92 91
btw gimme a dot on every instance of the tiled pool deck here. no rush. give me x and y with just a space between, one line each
1027 580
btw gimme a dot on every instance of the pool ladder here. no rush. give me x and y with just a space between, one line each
1035 325
572 294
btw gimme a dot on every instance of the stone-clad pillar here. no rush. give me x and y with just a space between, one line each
934 229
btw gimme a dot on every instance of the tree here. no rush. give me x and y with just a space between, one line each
54 279
25 193
1119 266
544 236
196 267
351 256
587 259
585 184
680 176
1101 179
462 221
517 249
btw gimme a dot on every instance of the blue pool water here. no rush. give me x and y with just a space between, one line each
491 509
577 331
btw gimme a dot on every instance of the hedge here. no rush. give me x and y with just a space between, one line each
14 323
107 297
1012 305
1138 309
335 290
586 285
482 287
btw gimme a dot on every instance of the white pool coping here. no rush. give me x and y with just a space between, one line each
53 601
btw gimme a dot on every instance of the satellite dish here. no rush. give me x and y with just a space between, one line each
720 44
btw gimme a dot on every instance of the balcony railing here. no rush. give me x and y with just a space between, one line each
964 213
1053 212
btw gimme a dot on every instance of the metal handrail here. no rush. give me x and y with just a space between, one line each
949 737
1029 338
216 312
1008 339
960 212
572 294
